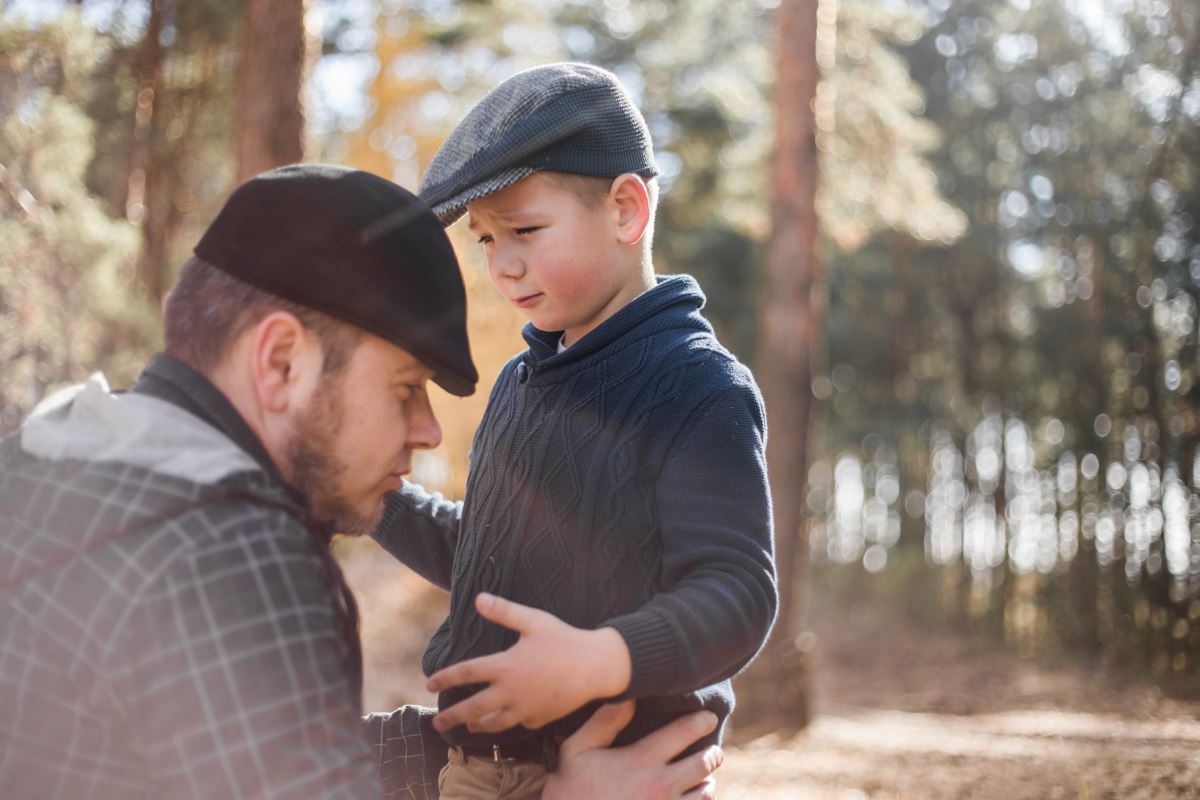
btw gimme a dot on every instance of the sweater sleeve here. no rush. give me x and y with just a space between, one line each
420 529
719 593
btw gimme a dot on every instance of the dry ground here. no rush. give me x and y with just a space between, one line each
901 712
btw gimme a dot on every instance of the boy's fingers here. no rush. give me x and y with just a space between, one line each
484 669
470 710
600 729
498 721
507 613
671 739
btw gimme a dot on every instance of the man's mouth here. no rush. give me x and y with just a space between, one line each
395 479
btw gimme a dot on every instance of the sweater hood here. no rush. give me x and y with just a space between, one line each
85 446
673 303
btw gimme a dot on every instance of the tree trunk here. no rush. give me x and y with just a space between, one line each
269 109
787 334
142 203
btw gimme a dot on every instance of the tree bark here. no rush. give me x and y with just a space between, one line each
143 204
269 109
787 333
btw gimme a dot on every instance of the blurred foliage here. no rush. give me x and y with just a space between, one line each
66 265
1022 402
873 138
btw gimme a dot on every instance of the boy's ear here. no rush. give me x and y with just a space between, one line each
631 201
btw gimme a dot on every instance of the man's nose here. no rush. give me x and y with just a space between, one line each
424 432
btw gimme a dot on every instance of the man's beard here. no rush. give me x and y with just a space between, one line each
316 470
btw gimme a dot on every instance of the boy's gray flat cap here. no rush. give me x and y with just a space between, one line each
568 117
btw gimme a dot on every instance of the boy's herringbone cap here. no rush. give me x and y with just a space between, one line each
568 117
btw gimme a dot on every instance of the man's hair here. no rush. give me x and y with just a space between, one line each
208 309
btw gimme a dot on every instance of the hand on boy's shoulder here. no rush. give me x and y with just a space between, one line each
552 670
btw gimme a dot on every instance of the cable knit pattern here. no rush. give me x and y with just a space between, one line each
621 482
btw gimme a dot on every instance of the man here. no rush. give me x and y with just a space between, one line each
171 621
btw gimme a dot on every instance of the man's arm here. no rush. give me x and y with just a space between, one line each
420 529
233 669
408 752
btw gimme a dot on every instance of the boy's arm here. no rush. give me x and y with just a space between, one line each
714 614
720 595
421 530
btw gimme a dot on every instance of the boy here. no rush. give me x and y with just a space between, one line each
618 477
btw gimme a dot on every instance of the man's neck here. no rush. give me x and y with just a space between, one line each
211 399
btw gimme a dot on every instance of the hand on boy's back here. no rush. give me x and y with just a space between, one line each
553 669
589 767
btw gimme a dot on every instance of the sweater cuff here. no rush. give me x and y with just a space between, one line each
653 652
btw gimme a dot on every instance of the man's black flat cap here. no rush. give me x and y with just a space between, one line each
356 247
568 117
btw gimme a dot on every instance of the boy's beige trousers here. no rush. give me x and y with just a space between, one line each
479 778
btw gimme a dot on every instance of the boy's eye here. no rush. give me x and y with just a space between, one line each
526 231
485 239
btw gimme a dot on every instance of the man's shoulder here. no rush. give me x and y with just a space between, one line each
90 423
130 519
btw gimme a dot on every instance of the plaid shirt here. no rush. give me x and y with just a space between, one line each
170 627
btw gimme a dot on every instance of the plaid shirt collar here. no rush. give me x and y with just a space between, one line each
167 378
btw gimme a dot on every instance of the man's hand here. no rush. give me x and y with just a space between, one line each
553 669
589 771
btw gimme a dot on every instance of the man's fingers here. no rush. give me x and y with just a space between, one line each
705 791
600 729
471 710
696 769
485 669
674 738
507 613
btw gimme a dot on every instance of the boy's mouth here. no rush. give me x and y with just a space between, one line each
527 300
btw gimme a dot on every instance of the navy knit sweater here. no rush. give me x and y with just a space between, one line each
619 483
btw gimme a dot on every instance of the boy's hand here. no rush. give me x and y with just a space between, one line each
553 669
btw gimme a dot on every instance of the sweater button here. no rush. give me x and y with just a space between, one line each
522 372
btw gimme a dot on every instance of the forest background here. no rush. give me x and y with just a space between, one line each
957 242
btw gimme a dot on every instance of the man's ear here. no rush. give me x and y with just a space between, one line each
285 361
631 200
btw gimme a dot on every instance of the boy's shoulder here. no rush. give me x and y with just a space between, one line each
701 354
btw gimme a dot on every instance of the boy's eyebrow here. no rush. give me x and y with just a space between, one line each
503 216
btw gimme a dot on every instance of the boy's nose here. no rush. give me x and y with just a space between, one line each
507 264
